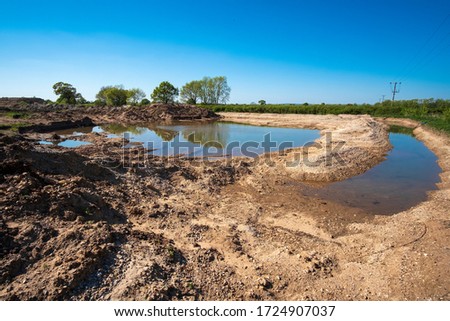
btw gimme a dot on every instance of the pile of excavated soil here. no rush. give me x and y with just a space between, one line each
18 102
163 112
44 117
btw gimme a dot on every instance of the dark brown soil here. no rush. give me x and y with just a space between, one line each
67 231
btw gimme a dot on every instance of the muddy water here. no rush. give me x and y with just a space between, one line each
398 183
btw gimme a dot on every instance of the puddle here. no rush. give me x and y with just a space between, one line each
44 142
73 143
398 183
69 143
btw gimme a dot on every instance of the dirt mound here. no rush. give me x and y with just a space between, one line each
11 102
164 112
44 117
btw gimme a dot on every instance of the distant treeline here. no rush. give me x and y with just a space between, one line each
406 108
435 112
208 90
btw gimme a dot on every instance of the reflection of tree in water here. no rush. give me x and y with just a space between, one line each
71 131
208 135
401 130
119 129
165 134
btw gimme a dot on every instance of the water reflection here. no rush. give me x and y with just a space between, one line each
165 134
401 181
208 135
205 138
196 139
75 132
119 129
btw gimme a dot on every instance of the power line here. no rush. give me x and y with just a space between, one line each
432 54
419 52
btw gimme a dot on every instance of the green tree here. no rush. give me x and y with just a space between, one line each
80 99
262 102
165 93
144 102
67 94
191 92
99 102
112 95
135 96
214 90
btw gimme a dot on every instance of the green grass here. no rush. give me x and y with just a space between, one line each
13 127
438 123
434 113
16 115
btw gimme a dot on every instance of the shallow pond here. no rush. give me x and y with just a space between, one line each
398 183
212 139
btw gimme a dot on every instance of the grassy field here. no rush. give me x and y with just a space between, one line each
435 113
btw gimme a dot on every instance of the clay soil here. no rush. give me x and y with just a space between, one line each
75 224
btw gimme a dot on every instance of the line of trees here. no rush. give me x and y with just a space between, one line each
209 90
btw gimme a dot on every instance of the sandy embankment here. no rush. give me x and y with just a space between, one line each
348 145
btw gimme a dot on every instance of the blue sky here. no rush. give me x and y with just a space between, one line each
283 51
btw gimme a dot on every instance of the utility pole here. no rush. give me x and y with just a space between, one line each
394 89
382 98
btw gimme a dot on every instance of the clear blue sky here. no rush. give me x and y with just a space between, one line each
283 51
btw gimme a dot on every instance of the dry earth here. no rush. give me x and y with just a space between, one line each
75 225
